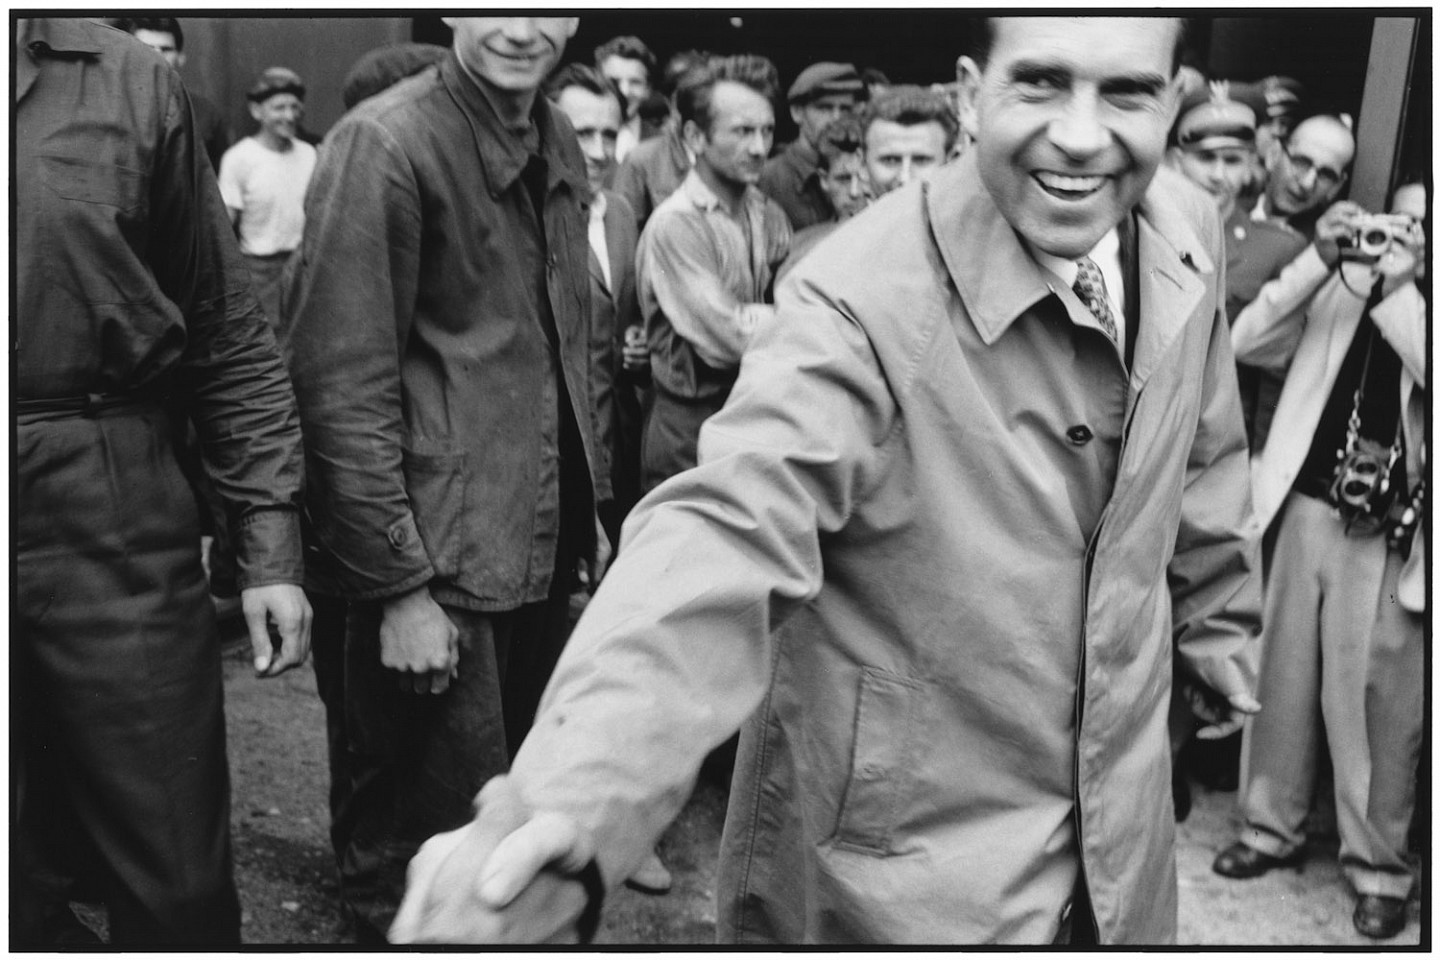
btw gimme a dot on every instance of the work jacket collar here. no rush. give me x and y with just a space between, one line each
66 37
502 156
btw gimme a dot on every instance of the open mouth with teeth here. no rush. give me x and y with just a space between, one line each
1064 187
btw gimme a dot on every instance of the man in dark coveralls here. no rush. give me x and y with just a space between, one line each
437 324
131 302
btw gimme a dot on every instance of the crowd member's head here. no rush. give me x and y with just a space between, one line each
1282 103
511 54
1215 144
907 132
822 93
726 109
384 67
161 34
594 107
1070 117
876 82
1309 169
277 102
629 64
842 167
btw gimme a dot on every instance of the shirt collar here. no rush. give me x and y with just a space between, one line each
63 35
502 155
993 271
703 198
598 206
1106 255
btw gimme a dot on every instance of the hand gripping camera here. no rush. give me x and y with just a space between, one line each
1375 232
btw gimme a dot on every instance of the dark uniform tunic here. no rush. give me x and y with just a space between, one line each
131 302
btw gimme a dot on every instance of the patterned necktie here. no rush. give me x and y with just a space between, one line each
1090 288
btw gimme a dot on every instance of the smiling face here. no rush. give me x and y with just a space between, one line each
1069 117
596 120
278 116
511 53
631 76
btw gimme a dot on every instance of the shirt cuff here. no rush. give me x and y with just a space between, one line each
268 550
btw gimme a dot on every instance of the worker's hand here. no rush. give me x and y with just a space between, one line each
635 353
419 641
1221 717
506 877
283 608
1336 224
592 573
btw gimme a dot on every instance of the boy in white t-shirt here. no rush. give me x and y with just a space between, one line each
263 179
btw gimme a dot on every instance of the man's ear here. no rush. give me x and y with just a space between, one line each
695 138
967 81
795 115
571 25
255 110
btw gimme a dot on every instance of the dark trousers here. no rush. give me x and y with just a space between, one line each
406 766
118 744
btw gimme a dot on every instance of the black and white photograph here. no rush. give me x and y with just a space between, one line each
653 478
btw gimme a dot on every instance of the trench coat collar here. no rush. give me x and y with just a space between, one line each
998 280
501 156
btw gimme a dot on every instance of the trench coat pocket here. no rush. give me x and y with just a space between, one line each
436 484
882 761
88 181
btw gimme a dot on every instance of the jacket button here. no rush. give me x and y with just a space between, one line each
1079 435
399 536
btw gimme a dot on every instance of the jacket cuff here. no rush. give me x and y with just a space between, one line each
267 548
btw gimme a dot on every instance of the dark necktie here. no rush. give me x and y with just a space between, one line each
1090 288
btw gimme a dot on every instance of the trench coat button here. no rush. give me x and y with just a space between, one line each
1079 435
399 536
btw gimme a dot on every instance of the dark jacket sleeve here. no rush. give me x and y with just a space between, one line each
348 306
231 373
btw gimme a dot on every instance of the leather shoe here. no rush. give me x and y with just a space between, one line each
651 877
1379 918
1241 862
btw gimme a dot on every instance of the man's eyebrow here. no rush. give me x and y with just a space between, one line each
1027 71
1144 83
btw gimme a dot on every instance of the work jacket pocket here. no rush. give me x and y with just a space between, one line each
882 762
436 485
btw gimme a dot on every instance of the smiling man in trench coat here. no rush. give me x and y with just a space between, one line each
942 547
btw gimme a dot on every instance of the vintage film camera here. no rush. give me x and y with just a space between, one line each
1375 232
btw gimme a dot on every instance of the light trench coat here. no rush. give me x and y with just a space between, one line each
901 549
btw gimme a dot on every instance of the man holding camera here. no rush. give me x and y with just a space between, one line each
1339 489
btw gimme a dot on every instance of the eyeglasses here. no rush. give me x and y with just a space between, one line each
1326 177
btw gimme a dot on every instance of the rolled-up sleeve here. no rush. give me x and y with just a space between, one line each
348 307
231 371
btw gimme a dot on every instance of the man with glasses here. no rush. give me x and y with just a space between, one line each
1307 172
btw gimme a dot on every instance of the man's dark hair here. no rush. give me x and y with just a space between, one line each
158 24
982 41
586 78
679 65
692 99
841 137
909 106
626 48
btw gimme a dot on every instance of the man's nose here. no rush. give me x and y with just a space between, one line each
1078 130
519 30
1306 178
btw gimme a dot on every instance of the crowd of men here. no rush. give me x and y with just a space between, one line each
933 451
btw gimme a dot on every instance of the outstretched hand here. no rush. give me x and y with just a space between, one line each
506 877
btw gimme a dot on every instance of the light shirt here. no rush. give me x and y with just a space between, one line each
628 138
1106 255
598 243
268 191
708 272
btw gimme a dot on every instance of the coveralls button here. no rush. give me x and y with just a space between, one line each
1079 435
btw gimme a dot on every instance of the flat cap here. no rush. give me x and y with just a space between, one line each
386 66
822 79
274 81
1209 119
